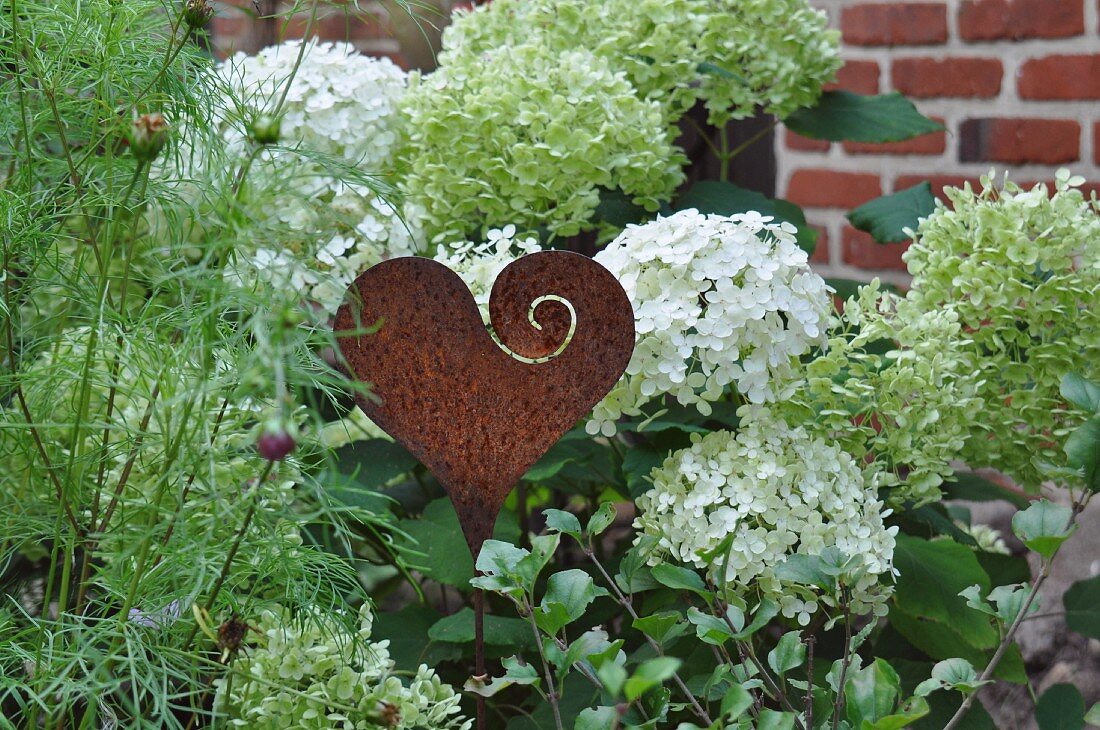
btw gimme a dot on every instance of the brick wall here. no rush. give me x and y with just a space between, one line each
1015 82
361 22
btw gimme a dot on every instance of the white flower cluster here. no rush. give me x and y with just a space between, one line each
311 672
779 492
479 264
717 301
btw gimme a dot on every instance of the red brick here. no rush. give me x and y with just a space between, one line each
891 24
1060 77
933 143
832 189
1017 141
821 251
859 249
804 144
925 78
938 183
988 20
860 77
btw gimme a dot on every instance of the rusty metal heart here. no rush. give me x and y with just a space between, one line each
473 414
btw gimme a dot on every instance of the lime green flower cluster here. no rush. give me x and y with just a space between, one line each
895 390
528 135
737 55
311 672
1021 271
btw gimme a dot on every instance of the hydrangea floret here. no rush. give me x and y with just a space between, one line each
718 301
1020 269
779 491
529 135
895 390
479 264
737 55
342 679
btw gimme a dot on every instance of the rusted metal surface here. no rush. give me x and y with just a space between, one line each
471 413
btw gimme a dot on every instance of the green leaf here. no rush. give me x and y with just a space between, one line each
574 589
551 616
529 567
516 672
617 209
842 115
589 643
663 626
736 702
789 653
725 198
807 570
638 464
872 693
681 579
648 675
1009 601
914 709
1080 392
596 718
601 519
1043 526
1082 604
887 218
951 674
374 462
1092 717
775 720
1061 708
505 631
932 575
1083 452
709 629
967 485
565 522
765 612
444 557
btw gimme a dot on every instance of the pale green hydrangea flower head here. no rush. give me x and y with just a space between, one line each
718 301
778 491
895 390
1021 271
739 56
311 672
528 135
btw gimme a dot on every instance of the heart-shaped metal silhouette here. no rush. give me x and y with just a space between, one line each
472 413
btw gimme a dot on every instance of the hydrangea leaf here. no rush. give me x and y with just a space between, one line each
889 217
1083 452
789 653
1061 708
502 631
680 579
725 198
1081 393
871 693
375 462
842 115
436 547
1082 604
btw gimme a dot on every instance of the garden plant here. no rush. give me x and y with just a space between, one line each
758 527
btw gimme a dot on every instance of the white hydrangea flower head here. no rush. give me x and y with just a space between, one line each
311 217
326 665
718 301
479 264
778 491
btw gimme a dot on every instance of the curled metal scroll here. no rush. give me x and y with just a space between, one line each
473 414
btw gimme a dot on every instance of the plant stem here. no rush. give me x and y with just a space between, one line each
845 660
1044 573
626 603
551 692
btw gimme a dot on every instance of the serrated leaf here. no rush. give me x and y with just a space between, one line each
842 115
1043 526
887 218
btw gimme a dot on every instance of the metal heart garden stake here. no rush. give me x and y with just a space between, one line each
475 415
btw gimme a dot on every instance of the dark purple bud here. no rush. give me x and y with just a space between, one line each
275 442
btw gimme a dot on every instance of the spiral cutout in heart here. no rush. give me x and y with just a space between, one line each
544 304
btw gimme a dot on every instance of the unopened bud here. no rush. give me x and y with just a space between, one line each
275 441
148 133
265 129
197 13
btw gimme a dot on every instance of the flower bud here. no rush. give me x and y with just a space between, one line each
275 440
197 13
148 133
265 129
